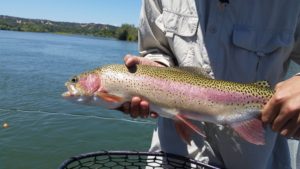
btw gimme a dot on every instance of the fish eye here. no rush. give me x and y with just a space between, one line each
74 79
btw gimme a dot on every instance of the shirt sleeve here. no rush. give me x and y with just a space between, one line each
153 43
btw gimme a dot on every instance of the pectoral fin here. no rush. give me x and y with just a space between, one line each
185 128
109 98
251 130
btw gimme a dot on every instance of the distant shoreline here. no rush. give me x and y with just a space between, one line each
126 32
73 35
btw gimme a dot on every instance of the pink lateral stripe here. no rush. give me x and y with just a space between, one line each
196 92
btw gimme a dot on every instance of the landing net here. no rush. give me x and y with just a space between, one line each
132 160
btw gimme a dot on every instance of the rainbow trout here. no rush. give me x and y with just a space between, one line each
182 94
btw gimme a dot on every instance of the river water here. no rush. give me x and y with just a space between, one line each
44 129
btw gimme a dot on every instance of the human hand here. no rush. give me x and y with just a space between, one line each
283 110
131 60
138 107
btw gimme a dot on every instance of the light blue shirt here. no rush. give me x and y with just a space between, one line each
244 41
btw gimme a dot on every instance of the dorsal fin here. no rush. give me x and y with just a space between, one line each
262 84
195 70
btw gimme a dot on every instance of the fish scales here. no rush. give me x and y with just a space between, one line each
171 88
195 96
197 80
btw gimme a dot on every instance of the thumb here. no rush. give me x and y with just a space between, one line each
131 60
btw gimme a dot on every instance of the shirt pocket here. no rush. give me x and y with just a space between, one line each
180 30
175 23
261 49
261 42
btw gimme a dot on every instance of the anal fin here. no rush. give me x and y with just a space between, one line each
251 130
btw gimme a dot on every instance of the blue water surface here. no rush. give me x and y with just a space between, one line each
44 129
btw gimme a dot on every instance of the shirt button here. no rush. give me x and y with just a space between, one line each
212 29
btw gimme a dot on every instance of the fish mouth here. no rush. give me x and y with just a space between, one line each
74 94
72 91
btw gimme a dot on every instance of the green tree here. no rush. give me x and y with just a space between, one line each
127 32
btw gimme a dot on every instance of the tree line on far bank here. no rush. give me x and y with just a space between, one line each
126 32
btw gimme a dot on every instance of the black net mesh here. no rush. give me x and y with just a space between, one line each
132 160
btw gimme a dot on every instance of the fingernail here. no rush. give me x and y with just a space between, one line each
263 118
284 132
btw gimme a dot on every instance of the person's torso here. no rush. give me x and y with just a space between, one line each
244 41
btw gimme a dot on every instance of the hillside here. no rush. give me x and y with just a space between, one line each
125 32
